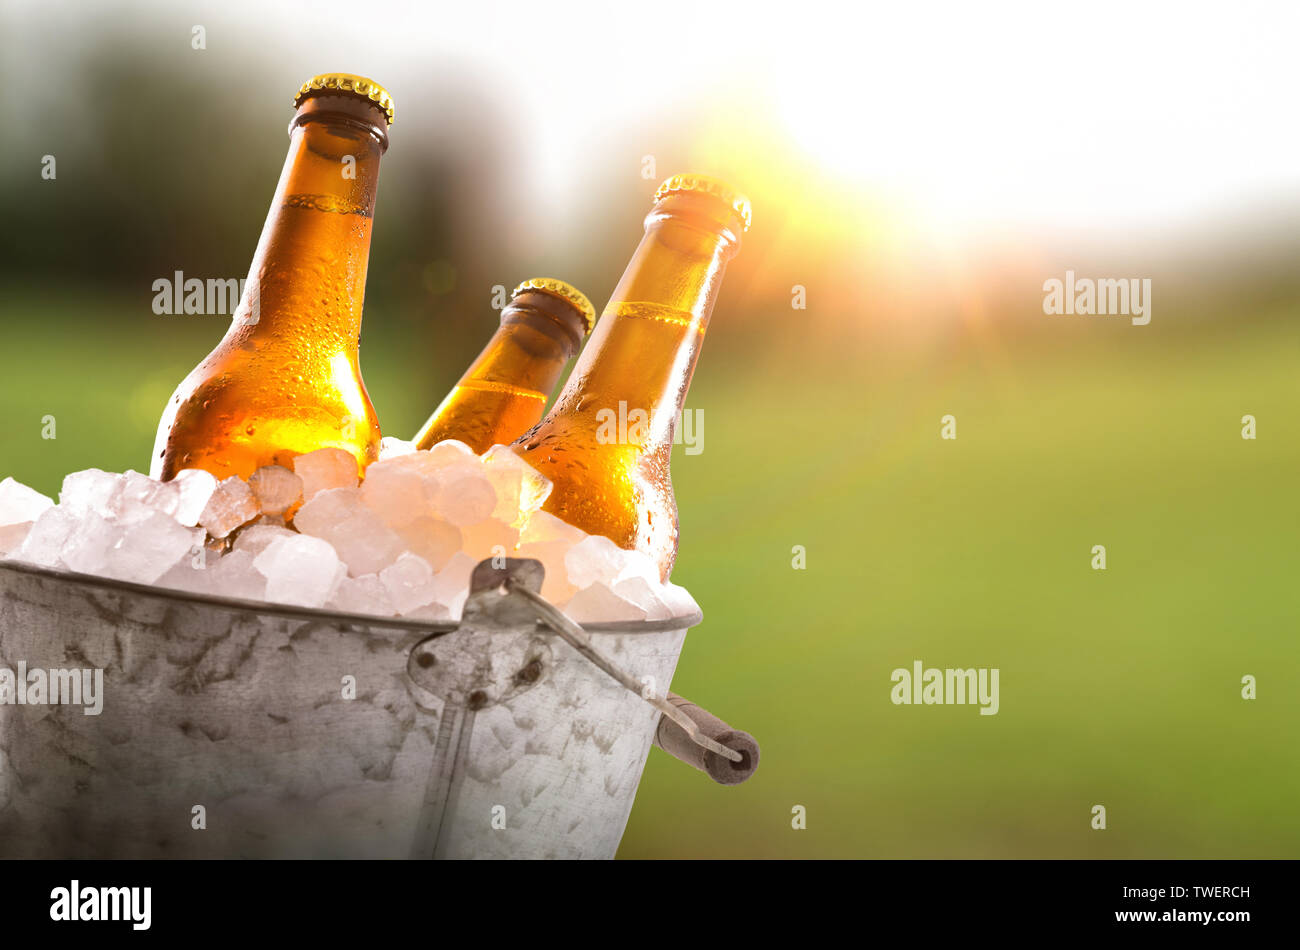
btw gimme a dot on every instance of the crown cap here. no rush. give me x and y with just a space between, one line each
566 292
347 84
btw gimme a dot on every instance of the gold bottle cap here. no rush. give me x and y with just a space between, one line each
566 292
347 84
712 186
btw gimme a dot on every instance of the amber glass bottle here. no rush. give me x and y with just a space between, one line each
607 441
504 391
286 379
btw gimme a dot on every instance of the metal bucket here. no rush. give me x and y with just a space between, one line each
226 728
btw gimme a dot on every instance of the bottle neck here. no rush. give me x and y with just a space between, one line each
680 261
643 351
309 269
504 391
538 335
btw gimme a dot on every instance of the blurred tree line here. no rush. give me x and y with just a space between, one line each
167 161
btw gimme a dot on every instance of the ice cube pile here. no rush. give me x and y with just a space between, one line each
400 543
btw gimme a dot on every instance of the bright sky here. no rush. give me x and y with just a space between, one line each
974 114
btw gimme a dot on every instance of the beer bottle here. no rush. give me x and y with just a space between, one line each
502 394
285 379
606 443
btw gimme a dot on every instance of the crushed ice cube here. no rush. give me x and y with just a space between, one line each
12 537
449 452
230 506
451 584
679 601
47 537
139 496
408 582
645 595
90 543
257 537
599 603
639 564
276 488
432 464
300 570
360 536
432 539
363 595
520 488
20 504
464 495
150 547
188 574
326 509
395 492
325 469
544 528
196 487
594 559
91 490
490 538
393 447
235 575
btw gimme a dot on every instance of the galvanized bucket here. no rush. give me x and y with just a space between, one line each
239 729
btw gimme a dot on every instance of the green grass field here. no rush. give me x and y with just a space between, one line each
1118 687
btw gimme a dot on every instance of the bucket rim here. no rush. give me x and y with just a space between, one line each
319 614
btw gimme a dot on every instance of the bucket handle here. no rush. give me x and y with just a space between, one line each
685 731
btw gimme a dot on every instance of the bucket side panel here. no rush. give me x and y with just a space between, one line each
552 772
243 716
